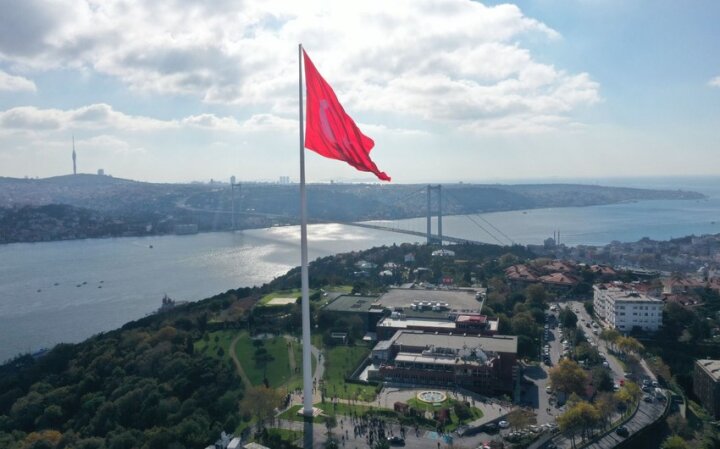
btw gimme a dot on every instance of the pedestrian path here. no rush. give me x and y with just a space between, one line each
238 366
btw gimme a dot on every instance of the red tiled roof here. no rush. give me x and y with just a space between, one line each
558 278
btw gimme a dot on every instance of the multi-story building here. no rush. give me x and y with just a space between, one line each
482 364
454 323
624 308
706 385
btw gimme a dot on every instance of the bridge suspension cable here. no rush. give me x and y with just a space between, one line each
498 230
486 231
469 217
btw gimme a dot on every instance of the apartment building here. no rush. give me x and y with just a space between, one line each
624 308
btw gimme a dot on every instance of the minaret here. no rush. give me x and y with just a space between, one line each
74 158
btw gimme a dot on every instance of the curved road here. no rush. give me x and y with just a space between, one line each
646 413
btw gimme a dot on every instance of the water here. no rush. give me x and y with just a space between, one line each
123 279
133 277
596 225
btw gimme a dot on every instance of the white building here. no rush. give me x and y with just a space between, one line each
624 308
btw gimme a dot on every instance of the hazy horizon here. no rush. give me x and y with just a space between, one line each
649 182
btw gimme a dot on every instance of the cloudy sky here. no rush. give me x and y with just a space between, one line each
450 90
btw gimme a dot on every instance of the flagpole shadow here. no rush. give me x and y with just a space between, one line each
308 433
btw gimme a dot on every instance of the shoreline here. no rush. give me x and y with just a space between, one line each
702 197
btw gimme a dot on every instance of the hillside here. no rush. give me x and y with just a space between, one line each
139 208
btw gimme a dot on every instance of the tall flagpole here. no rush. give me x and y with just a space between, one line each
307 364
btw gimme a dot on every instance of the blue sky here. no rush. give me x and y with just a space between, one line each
450 90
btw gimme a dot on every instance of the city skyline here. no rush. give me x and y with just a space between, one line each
449 90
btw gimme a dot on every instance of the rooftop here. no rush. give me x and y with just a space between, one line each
711 367
404 297
432 359
625 293
405 323
501 343
352 303
479 319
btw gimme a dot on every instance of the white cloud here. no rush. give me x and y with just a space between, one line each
103 117
16 83
95 116
450 61
107 143
715 82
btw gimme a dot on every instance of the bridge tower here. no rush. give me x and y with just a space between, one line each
233 185
74 157
437 210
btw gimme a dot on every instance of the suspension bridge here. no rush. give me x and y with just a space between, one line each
434 214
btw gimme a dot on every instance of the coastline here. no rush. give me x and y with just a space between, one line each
694 196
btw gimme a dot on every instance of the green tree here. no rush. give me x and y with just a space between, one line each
606 405
601 379
610 336
524 324
568 377
582 417
536 295
629 346
261 402
568 318
679 426
629 393
674 442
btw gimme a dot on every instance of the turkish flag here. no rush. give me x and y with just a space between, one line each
329 131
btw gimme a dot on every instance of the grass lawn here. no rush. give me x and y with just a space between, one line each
340 361
291 436
215 341
277 370
346 289
292 415
475 413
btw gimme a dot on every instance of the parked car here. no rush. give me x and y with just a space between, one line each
396 441
503 424
622 431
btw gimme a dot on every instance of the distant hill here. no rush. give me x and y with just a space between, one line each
138 208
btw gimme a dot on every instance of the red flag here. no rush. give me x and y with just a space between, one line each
329 131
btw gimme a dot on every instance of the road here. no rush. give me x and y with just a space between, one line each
646 413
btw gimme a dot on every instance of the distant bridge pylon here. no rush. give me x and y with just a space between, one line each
437 210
